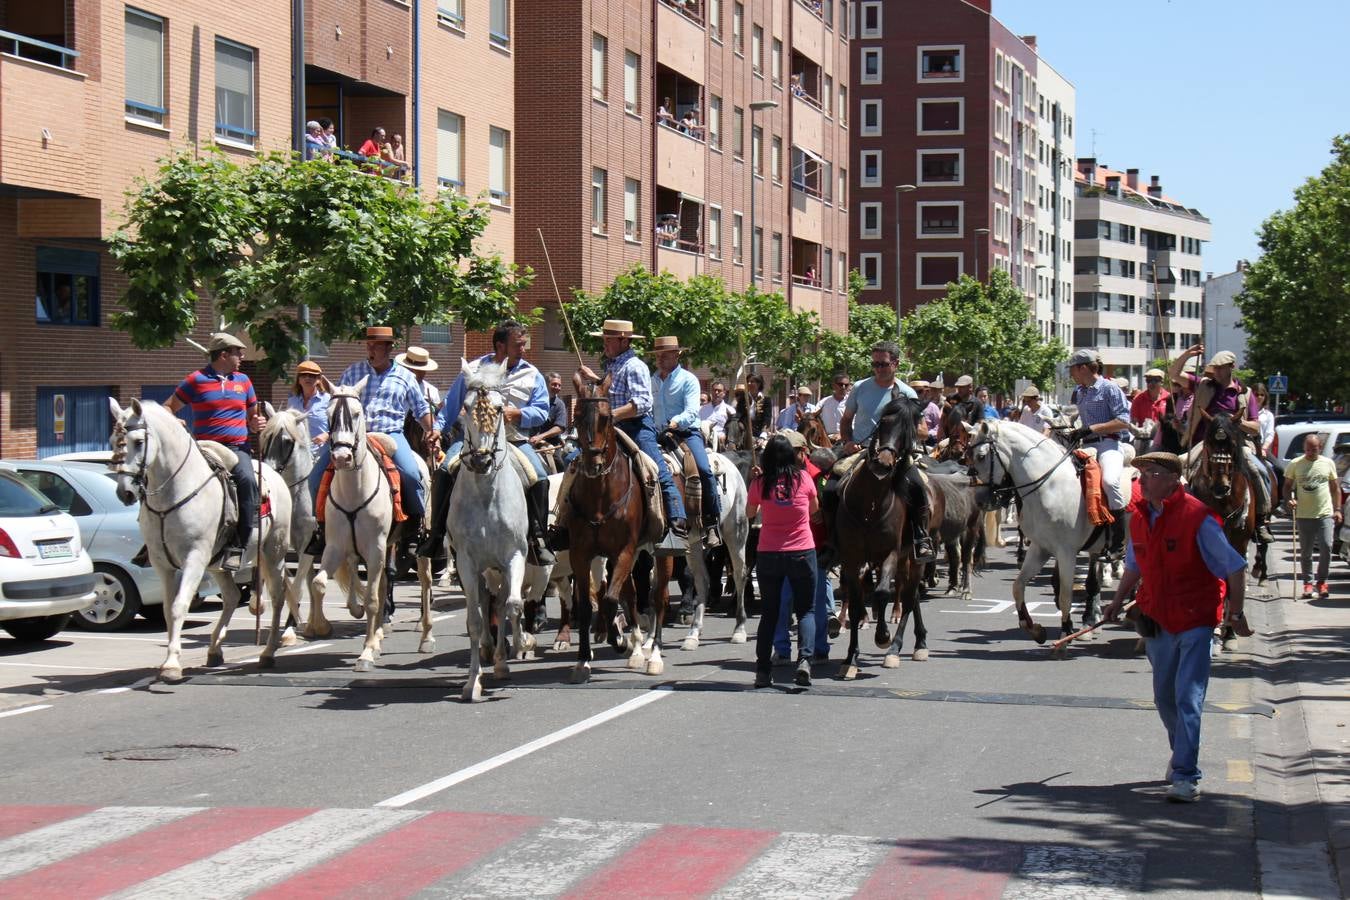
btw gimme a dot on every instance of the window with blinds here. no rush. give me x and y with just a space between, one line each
145 67
631 191
499 23
235 119
632 78
499 165
599 63
449 150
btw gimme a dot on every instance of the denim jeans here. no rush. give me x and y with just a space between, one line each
797 568
1180 677
414 501
1315 534
643 434
824 605
246 486
711 498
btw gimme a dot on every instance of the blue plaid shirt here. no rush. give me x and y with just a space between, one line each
631 382
387 397
1102 402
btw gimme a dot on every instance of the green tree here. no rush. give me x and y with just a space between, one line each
265 239
985 330
1296 301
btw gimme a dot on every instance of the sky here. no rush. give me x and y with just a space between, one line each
1232 103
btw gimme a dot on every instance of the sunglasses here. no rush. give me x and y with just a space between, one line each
882 365
842 384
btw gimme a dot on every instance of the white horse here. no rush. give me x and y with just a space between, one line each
357 521
488 523
1011 458
182 521
735 529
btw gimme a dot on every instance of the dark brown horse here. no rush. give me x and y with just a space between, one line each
870 533
607 517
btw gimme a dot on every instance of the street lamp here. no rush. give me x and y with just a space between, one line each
899 189
755 107
979 233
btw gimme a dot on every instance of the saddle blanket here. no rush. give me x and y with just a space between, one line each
222 461
383 448
1094 490
646 469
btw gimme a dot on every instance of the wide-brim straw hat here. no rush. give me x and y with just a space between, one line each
665 344
1032 391
417 359
617 328
380 333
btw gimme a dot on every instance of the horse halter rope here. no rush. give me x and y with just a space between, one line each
340 416
1003 492
486 420
610 449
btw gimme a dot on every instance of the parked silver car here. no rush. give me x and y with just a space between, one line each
111 535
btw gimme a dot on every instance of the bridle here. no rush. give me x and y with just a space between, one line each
609 451
278 449
486 419
340 416
1002 493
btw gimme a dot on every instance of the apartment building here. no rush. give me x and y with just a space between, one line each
92 93
1136 269
955 143
1224 329
703 136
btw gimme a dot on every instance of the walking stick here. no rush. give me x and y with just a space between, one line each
1062 642
1293 537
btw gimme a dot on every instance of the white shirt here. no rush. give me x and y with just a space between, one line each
1037 420
1266 419
831 411
716 414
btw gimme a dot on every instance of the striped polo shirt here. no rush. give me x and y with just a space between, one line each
219 405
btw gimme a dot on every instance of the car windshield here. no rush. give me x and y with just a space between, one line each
18 500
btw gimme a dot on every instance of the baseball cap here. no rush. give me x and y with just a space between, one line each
795 438
1083 358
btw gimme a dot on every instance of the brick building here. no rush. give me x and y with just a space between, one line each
954 142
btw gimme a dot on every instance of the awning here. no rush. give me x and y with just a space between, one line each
812 156
691 198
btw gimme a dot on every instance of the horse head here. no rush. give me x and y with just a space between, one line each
285 433
483 415
347 425
142 434
594 424
896 432
1221 450
987 468
813 429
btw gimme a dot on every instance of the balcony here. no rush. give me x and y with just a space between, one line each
353 40
680 161
45 146
681 42
806 275
808 32
808 125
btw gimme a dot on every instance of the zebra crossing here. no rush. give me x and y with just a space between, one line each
73 852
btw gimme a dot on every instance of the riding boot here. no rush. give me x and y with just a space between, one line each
536 503
441 484
316 542
142 557
712 534
557 537
1116 533
917 501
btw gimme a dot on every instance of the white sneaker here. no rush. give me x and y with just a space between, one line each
1183 792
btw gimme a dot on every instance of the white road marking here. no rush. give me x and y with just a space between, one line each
273 857
25 709
1075 872
501 759
289 651
807 867
25 665
62 840
552 858
442 618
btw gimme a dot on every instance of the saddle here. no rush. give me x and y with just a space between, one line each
1094 488
383 446
222 461
682 465
650 476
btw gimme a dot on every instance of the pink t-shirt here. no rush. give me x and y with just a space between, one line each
785 524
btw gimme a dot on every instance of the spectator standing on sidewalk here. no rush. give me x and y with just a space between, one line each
1315 496
1183 566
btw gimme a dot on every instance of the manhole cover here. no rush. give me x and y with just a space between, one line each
171 752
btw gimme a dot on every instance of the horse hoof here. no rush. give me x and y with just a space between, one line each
849 673
738 636
686 618
581 675
321 633
561 646
892 661
834 626
427 645
363 665
501 673
637 661
213 658
882 639
289 639
357 610
1038 632
1228 645
529 644
473 691
921 655
967 596
690 643
656 667
171 674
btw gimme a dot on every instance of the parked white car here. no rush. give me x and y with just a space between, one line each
45 572
1291 429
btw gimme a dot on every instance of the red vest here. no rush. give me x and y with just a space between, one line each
1176 589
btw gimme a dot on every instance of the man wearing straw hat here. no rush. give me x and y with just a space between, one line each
418 361
675 407
1032 414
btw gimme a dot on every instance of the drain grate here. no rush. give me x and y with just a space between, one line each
168 753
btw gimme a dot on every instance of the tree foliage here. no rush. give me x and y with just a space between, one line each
1296 300
264 238
984 330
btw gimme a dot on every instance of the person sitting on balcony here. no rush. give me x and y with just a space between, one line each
689 124
664 115
315 145
329 134
811 277
667 229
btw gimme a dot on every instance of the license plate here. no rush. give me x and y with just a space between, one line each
54 549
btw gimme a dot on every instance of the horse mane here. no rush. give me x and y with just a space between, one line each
485 376
905 414
290 421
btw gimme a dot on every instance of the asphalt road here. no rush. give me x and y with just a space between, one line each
989 770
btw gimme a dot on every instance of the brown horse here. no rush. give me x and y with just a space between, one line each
870 533
607 517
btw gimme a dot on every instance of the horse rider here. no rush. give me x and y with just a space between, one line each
391 392
418 361
224 410
1105 418
861 414
526 408
550 433
790 419
630 406
931 396
759 405
1216 392
675 407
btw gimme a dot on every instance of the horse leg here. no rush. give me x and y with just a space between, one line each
623 593
229 598
850 580
515 579
373 604
882 593
272 559
664 567
581 609
953 550
892 658
739 571
1035 559
909 597
563 640
317 626
1091 599
473 615
967 551
1064 591
699 566
176 611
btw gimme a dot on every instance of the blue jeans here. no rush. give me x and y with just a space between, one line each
1180 677
711 498
824 605
796 568
453 451
414 501
643 434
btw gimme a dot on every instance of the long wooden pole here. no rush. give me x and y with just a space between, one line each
562 311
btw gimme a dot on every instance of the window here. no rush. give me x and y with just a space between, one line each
870 161
941 63
777 62
499 165
499 23
632 192
827 269
449 150
826 95
871 65
998 120
757 48
843 105
451 13
715 122
871 117
715 19
736 238
738 27
632 78
937 270
757 151
145 67
871 20
67 287
869 220
599 55
940 167
776 247
715 232
940 219
843 188
869 266
737 132
776 160
234 92
998 68
942 116
599 180
757 252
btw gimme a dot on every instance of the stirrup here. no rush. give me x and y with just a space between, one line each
431 545
232 560
316 542
923 550
539 549
557 539
712 536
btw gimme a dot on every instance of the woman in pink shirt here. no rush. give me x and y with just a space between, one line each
787 552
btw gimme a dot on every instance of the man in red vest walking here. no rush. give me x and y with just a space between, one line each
1184 567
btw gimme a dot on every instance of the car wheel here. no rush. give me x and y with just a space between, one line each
38 629
117 604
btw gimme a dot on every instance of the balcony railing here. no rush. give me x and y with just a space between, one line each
807 280
814 7
694 131
690 9
26 47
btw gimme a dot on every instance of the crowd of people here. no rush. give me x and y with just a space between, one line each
383 155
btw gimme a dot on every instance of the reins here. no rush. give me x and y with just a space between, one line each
1004 491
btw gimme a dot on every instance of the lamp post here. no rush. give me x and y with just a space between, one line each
755 107
979 233
899 189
